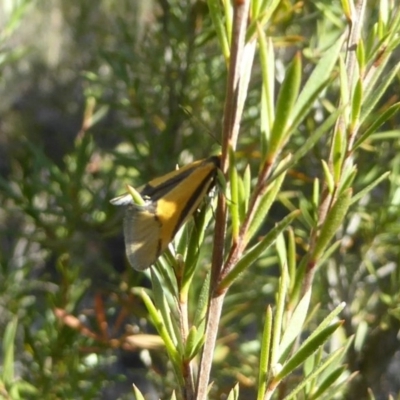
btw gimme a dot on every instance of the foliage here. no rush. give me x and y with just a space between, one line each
296 293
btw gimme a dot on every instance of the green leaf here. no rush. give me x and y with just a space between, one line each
217 19
328 382
265 203
137 393
357 102
285 103
22 388
234 393
192 343
196 238
202 302
318 80
158 322
291 257
327 321
267 61
294 325
330 250
316 373
330 182
369 187
262 14
243 199
265 352
254 253
332 222
338 155
160 295
376 123
279 312
173 395
306 147
8 352
360 52
306 349
372 95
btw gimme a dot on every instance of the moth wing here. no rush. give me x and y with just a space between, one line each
141 232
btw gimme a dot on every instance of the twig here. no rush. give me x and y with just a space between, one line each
232 115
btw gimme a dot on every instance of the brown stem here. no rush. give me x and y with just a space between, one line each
231 125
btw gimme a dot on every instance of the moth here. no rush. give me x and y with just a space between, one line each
169 201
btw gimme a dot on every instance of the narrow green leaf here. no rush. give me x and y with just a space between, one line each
357 102
8 351
373 94
234 393
136 197
191 343
162 331
294 325
196 238
346 9
333 220
267 61
317 81
202 303
328 382
137 393
254 253
330 182
371 395
217 19
328 253
369 187
326 322
316 373
306 349
173 395
13 393
349 174
292 254
307 146
255 8
12 21
285 103
264 14
266 202
265 352
376 123
228 18
338 154
278 320
243 199
198 343
23 389
360 52
163 299
280 247
385 135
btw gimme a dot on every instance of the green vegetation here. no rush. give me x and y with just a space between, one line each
286 285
